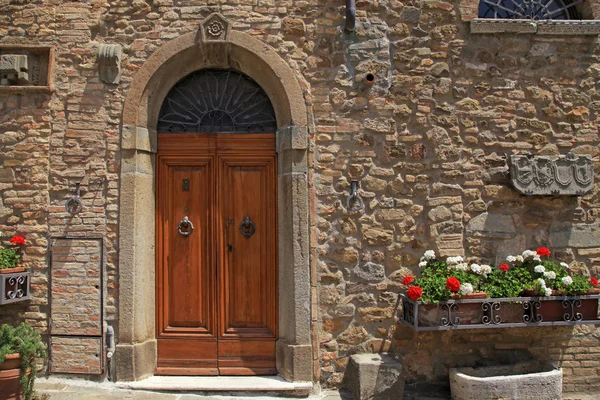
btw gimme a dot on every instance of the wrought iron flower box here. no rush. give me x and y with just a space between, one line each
14 287
498 313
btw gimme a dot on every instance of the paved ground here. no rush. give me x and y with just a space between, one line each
62 389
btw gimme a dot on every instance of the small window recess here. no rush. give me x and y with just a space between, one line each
542 17
35 69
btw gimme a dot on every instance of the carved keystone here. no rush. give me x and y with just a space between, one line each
552 175
14 69
215 28
109 63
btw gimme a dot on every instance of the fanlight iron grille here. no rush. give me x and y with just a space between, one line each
529 9
217 101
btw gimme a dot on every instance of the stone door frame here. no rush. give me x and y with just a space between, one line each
215 45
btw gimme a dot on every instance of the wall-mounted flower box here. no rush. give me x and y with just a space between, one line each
14 287
502 312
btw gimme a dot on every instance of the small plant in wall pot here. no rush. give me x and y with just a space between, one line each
11 255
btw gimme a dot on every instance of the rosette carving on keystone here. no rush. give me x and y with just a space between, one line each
214 28
569 174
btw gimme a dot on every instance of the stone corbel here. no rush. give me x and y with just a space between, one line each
552 175
109 63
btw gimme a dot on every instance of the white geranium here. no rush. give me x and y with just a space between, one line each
550 275
548 292
476 268
429 255
539 269
461 267
537 258
486 269
466 288
422 264
541 283
567 280
454 260
564 265
520 259
529 253
511 259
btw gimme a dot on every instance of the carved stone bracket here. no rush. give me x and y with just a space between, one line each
14 69
215 28
552 175
109 63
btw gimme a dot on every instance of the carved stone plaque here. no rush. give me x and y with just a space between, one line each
14 69
552 175
214 28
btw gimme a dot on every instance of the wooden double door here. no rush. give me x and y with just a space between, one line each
216 274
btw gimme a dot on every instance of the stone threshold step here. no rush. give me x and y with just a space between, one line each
221 384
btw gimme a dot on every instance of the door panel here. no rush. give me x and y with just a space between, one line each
216 287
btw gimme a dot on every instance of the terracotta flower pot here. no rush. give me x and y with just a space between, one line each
474 295
12 270
10 377
555 310
594 291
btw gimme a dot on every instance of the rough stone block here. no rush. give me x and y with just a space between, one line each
375 377
523 381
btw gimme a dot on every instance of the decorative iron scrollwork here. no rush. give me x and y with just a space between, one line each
531 314
247 227
489 317
184 225
529 9
573 316
217 101
451 320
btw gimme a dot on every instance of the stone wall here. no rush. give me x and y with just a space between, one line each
428 143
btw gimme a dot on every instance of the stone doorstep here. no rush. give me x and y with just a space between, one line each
221 384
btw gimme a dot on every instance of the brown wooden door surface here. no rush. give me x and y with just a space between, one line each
217 286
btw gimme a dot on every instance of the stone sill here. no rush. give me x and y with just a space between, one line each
10 90
484 25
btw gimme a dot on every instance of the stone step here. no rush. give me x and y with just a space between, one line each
268 385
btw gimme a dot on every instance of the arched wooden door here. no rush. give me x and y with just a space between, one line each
216 269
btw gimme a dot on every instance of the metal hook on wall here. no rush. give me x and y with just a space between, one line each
74 204
354 197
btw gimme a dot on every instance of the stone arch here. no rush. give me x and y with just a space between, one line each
135 356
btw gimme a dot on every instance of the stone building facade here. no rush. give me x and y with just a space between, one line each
428 139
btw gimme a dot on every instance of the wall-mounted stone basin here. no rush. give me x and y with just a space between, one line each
523 381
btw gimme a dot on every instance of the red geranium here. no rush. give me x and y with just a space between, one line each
17 239
452 284
408 280
414 292
543 252
594 281
504 267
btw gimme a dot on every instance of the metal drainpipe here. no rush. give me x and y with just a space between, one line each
110 341
350 16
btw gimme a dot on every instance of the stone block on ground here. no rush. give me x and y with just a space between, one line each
375 377
522 381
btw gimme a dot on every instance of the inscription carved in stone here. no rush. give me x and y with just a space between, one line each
214 28
14 69
552 175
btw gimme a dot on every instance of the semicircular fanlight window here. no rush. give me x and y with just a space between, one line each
217 101
529 9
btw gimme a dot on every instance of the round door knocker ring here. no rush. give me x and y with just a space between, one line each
247 227
73 206
185 224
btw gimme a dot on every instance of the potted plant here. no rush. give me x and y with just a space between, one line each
447 288
19 346
10 257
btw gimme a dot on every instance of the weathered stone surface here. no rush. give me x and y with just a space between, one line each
530 381
570 235
375 377
370 271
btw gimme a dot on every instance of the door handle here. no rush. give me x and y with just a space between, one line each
185 224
